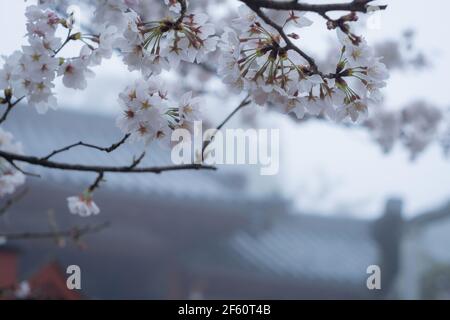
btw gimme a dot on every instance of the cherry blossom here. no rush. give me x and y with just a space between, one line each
189 108
174 5
415 127
23 290
160 45
83 205
111 12
149 116
260 54
10 71
10 177
75 71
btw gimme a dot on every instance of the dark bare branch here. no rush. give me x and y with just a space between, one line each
15 166
321 9
74 233
97 182
98 168
244 103
109 149
9 108
289 44
353 6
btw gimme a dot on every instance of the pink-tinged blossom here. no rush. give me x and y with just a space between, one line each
76 71
83 205
415 127
149 116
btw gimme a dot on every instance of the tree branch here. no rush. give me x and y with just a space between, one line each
98 168
97 182
74 233
354 6
9 108
87 145
244 103
15 166
321 9
182 11
289 44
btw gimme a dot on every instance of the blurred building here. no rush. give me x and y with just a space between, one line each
425 270
46 283
185 234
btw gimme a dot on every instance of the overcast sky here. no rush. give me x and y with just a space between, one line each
325 168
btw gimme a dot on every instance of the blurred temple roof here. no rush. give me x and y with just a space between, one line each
336 249
326 257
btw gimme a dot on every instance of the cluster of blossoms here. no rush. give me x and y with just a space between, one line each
30 73
149 116
416 126
146 46
153 46
83 205
255 58
10 177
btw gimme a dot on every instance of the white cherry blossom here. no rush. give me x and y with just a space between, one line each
149 116
189 108
76 70
10 177
83 205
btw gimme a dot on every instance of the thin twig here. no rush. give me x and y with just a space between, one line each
109 149
321 9
64 43
9 108
74 233
353 6
289 44
15 199
182 11
137 161
244 103
97 181
15 166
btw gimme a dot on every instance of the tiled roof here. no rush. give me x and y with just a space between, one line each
311 247
304 248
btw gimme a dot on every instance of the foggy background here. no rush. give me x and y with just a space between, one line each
325 170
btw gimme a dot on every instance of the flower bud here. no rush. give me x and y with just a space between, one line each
8 94
75 36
